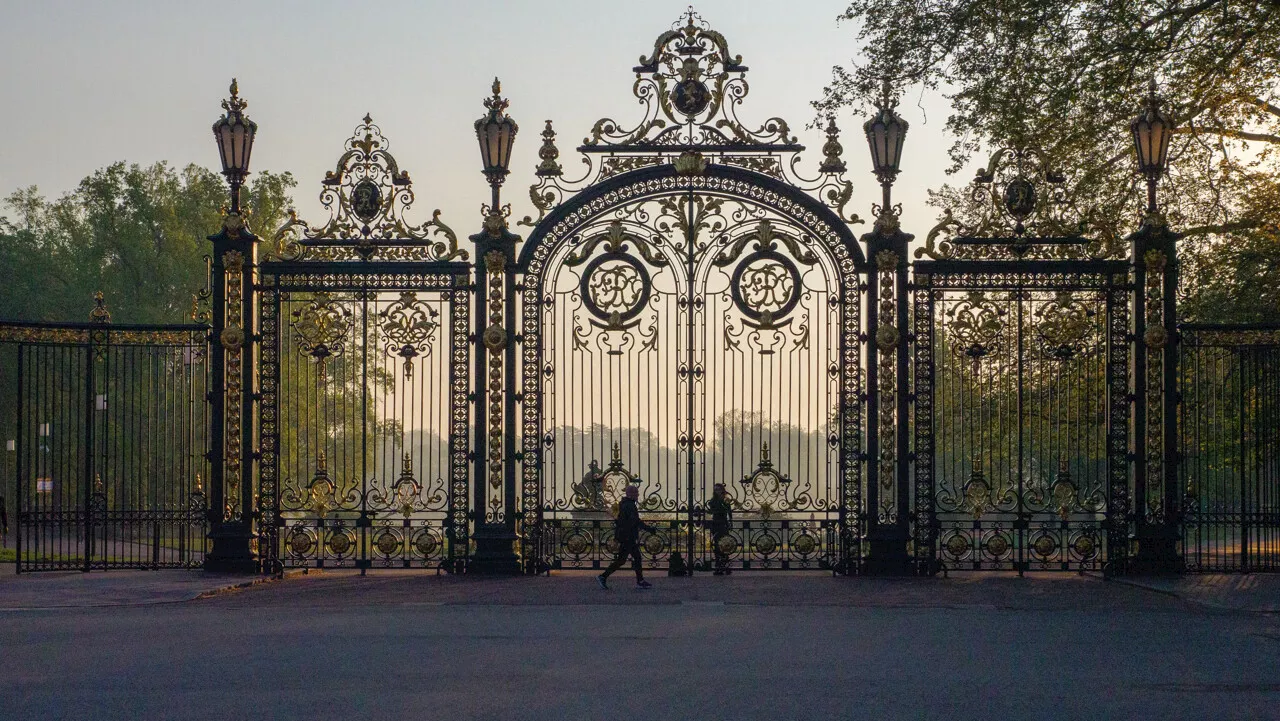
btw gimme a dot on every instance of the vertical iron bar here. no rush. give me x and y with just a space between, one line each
87 451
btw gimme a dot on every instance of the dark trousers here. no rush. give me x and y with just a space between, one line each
631 549
721 558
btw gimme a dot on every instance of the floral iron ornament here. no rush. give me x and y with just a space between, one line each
321 328
408 327
367 195
976 325
1064 325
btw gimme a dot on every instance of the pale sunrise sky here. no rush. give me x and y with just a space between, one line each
87 84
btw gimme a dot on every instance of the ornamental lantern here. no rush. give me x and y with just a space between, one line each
885 134
496 132
234 133
1151 132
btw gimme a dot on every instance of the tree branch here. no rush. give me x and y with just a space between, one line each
1217 228
1228 132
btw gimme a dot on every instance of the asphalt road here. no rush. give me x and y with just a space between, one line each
393 647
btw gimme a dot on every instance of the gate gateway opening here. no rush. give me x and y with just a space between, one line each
691 315
365 378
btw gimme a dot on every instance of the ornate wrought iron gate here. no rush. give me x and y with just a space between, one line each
109 431
1230 447
691 316
1022 407
365 379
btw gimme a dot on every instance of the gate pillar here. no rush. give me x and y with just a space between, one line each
233 383
495 354
1157 504
888 501
495 359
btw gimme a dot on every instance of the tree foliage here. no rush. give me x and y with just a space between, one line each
137 234
1068 76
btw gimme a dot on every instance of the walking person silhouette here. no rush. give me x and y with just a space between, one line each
627 529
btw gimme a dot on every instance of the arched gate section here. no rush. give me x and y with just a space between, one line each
690 315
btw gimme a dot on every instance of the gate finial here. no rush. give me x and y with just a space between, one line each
99 314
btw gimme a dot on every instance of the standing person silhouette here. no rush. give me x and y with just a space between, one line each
627 529
721 514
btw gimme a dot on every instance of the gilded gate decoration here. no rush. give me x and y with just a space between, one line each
1022 402
1016 392
691 315
365 377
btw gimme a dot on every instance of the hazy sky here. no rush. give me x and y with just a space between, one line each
89 83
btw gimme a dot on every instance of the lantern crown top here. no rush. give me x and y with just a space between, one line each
234 105
496 105
1151 110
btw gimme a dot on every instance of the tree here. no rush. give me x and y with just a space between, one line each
137 234
1068 77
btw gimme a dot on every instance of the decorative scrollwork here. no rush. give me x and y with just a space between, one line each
614 482
1018 206
408 326
691 88
975 325
406 495
1064 325
321 329
766 486
366 195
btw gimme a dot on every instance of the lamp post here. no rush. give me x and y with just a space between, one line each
494 496
234 133
233 363
886 132
1157 502
888 493
1151 132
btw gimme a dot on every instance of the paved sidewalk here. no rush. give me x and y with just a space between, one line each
74 589
1251 592
1258 593
339 589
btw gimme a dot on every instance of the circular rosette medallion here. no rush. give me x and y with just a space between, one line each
615 288
342 542
728 545
654 544
765 286
1044 546
765 544
1085 547
997 545
301 542
804 544
576 544
956 545
388 542
425 543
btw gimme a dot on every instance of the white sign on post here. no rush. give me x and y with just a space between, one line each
44 485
